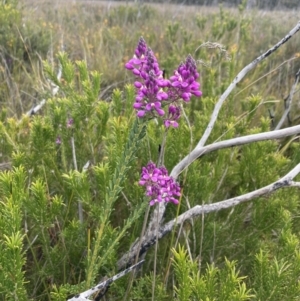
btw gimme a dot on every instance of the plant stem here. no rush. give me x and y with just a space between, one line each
155 261
80 210
162 150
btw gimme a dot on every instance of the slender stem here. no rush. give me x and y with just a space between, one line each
155 261
138 252
37 266
80 210
289 101
162 149
92 259
201 240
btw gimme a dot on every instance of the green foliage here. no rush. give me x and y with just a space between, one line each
49 192
12 258
47 252
10 17
213 284
130 15
276 278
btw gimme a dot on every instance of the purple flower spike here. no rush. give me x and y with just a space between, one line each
154 92
139 56
150 84
160 187
149 97
141 48
184 80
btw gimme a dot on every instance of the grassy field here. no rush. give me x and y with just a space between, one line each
48 251
104 34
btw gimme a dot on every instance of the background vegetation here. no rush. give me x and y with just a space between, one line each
47 251
261 4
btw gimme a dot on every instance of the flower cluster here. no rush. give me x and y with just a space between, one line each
150 89
184 80
154 92
160 187
69 125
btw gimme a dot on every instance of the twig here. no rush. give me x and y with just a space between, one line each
5 165
288 102
83 296
54 91
155 265
263 76
238 78
285 181
80 210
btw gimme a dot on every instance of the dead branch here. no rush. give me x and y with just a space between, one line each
288 102
159 211
54 90
286 181
105 284
238 78
5 165
200 151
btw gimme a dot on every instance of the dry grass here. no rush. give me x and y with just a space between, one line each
104 33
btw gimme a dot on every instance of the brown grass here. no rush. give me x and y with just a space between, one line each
105 37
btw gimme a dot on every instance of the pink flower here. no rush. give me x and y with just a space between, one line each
160 187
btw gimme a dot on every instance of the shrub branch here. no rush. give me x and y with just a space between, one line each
105 284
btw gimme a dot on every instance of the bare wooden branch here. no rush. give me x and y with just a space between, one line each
288 102
5 166
54 91
84 295
286 181
200 151
159 211
238 78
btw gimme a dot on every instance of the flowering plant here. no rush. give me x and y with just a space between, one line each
153 94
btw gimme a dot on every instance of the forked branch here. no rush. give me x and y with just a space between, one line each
161 207
237 79
200 151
